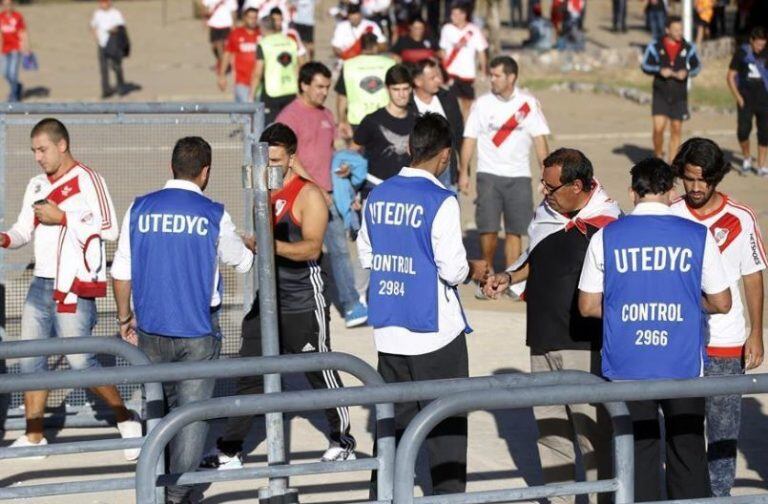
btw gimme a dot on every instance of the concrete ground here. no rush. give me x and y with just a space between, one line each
172 62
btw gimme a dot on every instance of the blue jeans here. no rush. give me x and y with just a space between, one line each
12 63
723 422
241 93
186 449
40 320
341 265
656 19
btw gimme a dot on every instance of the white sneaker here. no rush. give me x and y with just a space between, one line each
131 429
24 441
336 453
222 461
763 172
746 165
479 294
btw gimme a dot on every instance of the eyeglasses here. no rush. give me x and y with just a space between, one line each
552 190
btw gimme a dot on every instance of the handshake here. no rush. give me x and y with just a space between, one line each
492 285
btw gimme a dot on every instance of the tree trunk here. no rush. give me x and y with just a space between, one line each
493 9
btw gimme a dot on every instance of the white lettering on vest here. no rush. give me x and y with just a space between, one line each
653 312
395 263
396 214
653 259
173 224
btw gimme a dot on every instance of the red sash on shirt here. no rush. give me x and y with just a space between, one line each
513 122
461 44
61 193
213 9
357 47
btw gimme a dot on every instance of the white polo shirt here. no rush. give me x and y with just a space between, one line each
452 268
504 130
467 41
220 13
345 35
713 276
737 235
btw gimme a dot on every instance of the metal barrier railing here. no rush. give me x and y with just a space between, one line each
321 399
196 370
607 393
153 392
622 484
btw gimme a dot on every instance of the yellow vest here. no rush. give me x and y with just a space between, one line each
281 61
364 83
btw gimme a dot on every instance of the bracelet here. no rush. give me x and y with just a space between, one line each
124 321
509 277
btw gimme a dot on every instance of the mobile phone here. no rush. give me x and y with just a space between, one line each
40 202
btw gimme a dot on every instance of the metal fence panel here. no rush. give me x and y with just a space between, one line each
132 151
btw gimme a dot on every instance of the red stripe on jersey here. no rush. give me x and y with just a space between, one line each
512 123
64 191
725 230
282 201
460 44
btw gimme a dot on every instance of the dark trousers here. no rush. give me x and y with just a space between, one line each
105 65
620 15
447 443
186 448
299 333
687 475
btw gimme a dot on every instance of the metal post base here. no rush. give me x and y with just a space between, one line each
291 496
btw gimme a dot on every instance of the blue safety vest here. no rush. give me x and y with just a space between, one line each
652 313
403 289
174 235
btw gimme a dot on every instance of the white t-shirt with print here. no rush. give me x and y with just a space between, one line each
472 40
105 20
509 156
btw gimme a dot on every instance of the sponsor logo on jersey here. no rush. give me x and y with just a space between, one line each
371 84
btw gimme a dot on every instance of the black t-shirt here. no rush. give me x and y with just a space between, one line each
412 51
748 78
384 139
552 293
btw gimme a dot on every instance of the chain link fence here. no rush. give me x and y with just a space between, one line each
132 151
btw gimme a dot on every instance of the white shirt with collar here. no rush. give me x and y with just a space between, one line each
230 248
104 21
452 269
434 106
713 276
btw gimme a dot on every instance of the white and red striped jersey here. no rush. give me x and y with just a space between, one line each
346 37
737 234
461 46
77 191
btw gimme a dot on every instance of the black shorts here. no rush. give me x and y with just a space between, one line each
463 88
306 32
273 106
218 34
677 110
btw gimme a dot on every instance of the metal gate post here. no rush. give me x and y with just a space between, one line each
5 399
263 181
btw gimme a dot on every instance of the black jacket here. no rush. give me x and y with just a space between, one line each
118 45
656 57
453 114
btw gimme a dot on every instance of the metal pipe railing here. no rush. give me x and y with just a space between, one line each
86 108
622 484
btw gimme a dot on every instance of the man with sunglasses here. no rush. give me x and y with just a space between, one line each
575 206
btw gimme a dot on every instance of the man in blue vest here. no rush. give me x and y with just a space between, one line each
645 275
411 241
167 260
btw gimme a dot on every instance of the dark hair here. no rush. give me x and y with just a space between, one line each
353 8
421 65
431 134
368 41
574 165
463 6
398 74
308 71
417 19
672 20
758 33
275 11
249 10
508 62
704 153
652 176
54 128
280 135
190 155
